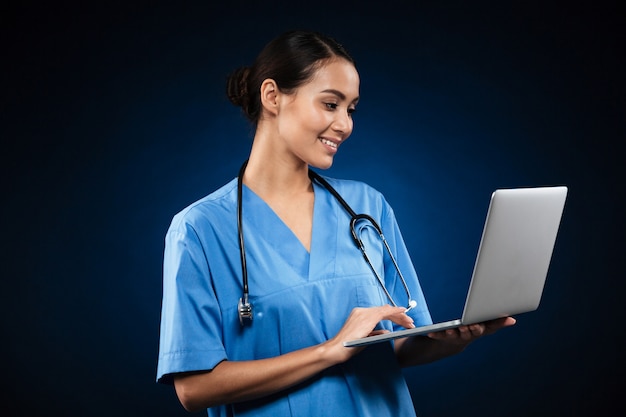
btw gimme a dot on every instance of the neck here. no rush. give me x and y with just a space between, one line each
272 173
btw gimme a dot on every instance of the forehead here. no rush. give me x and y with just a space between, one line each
337 74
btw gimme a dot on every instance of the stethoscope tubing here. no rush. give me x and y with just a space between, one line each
354 218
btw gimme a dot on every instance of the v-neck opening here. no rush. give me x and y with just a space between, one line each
264 221
284 224
265 231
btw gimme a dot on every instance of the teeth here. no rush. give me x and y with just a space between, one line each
329 143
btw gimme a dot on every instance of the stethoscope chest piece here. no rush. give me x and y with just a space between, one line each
245 312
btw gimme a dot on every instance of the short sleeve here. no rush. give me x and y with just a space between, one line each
191 321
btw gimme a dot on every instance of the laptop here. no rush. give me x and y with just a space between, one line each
512 262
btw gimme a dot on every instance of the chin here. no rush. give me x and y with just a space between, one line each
322 164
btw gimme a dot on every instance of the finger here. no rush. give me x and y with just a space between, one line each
436 335
465 333
397 315
477 330
509 321
494 325
363 320
443 334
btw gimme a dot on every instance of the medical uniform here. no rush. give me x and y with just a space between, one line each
299 299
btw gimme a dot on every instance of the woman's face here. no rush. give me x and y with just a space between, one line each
315 120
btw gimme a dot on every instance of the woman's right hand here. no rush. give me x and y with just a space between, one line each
361 323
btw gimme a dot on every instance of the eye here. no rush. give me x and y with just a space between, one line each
351 110
331 106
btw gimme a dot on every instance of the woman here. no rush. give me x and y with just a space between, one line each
309 287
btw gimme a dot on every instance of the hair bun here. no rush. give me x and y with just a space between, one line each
237 87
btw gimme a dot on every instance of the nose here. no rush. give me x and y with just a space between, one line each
342 124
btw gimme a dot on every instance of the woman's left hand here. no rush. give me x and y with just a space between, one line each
419 350
464 335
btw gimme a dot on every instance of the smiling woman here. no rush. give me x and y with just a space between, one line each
310 288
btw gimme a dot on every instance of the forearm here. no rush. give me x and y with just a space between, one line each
235 381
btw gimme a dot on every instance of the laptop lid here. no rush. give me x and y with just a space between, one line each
514 253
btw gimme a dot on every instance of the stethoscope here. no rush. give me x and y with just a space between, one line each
245 308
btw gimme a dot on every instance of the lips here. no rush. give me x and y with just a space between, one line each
329 142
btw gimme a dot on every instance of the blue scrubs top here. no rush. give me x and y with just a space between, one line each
299 298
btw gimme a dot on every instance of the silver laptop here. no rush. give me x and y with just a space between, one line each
513 259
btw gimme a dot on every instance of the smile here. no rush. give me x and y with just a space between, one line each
328 142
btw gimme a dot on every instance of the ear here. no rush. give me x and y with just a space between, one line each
269 96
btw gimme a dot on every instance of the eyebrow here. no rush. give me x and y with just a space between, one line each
339 94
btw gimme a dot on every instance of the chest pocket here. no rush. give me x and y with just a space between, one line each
370 294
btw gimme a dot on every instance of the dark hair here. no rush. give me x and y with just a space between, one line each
291 60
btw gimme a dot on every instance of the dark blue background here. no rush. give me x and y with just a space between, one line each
114 118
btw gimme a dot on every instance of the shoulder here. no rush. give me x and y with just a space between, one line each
208 210
360 195
353 186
